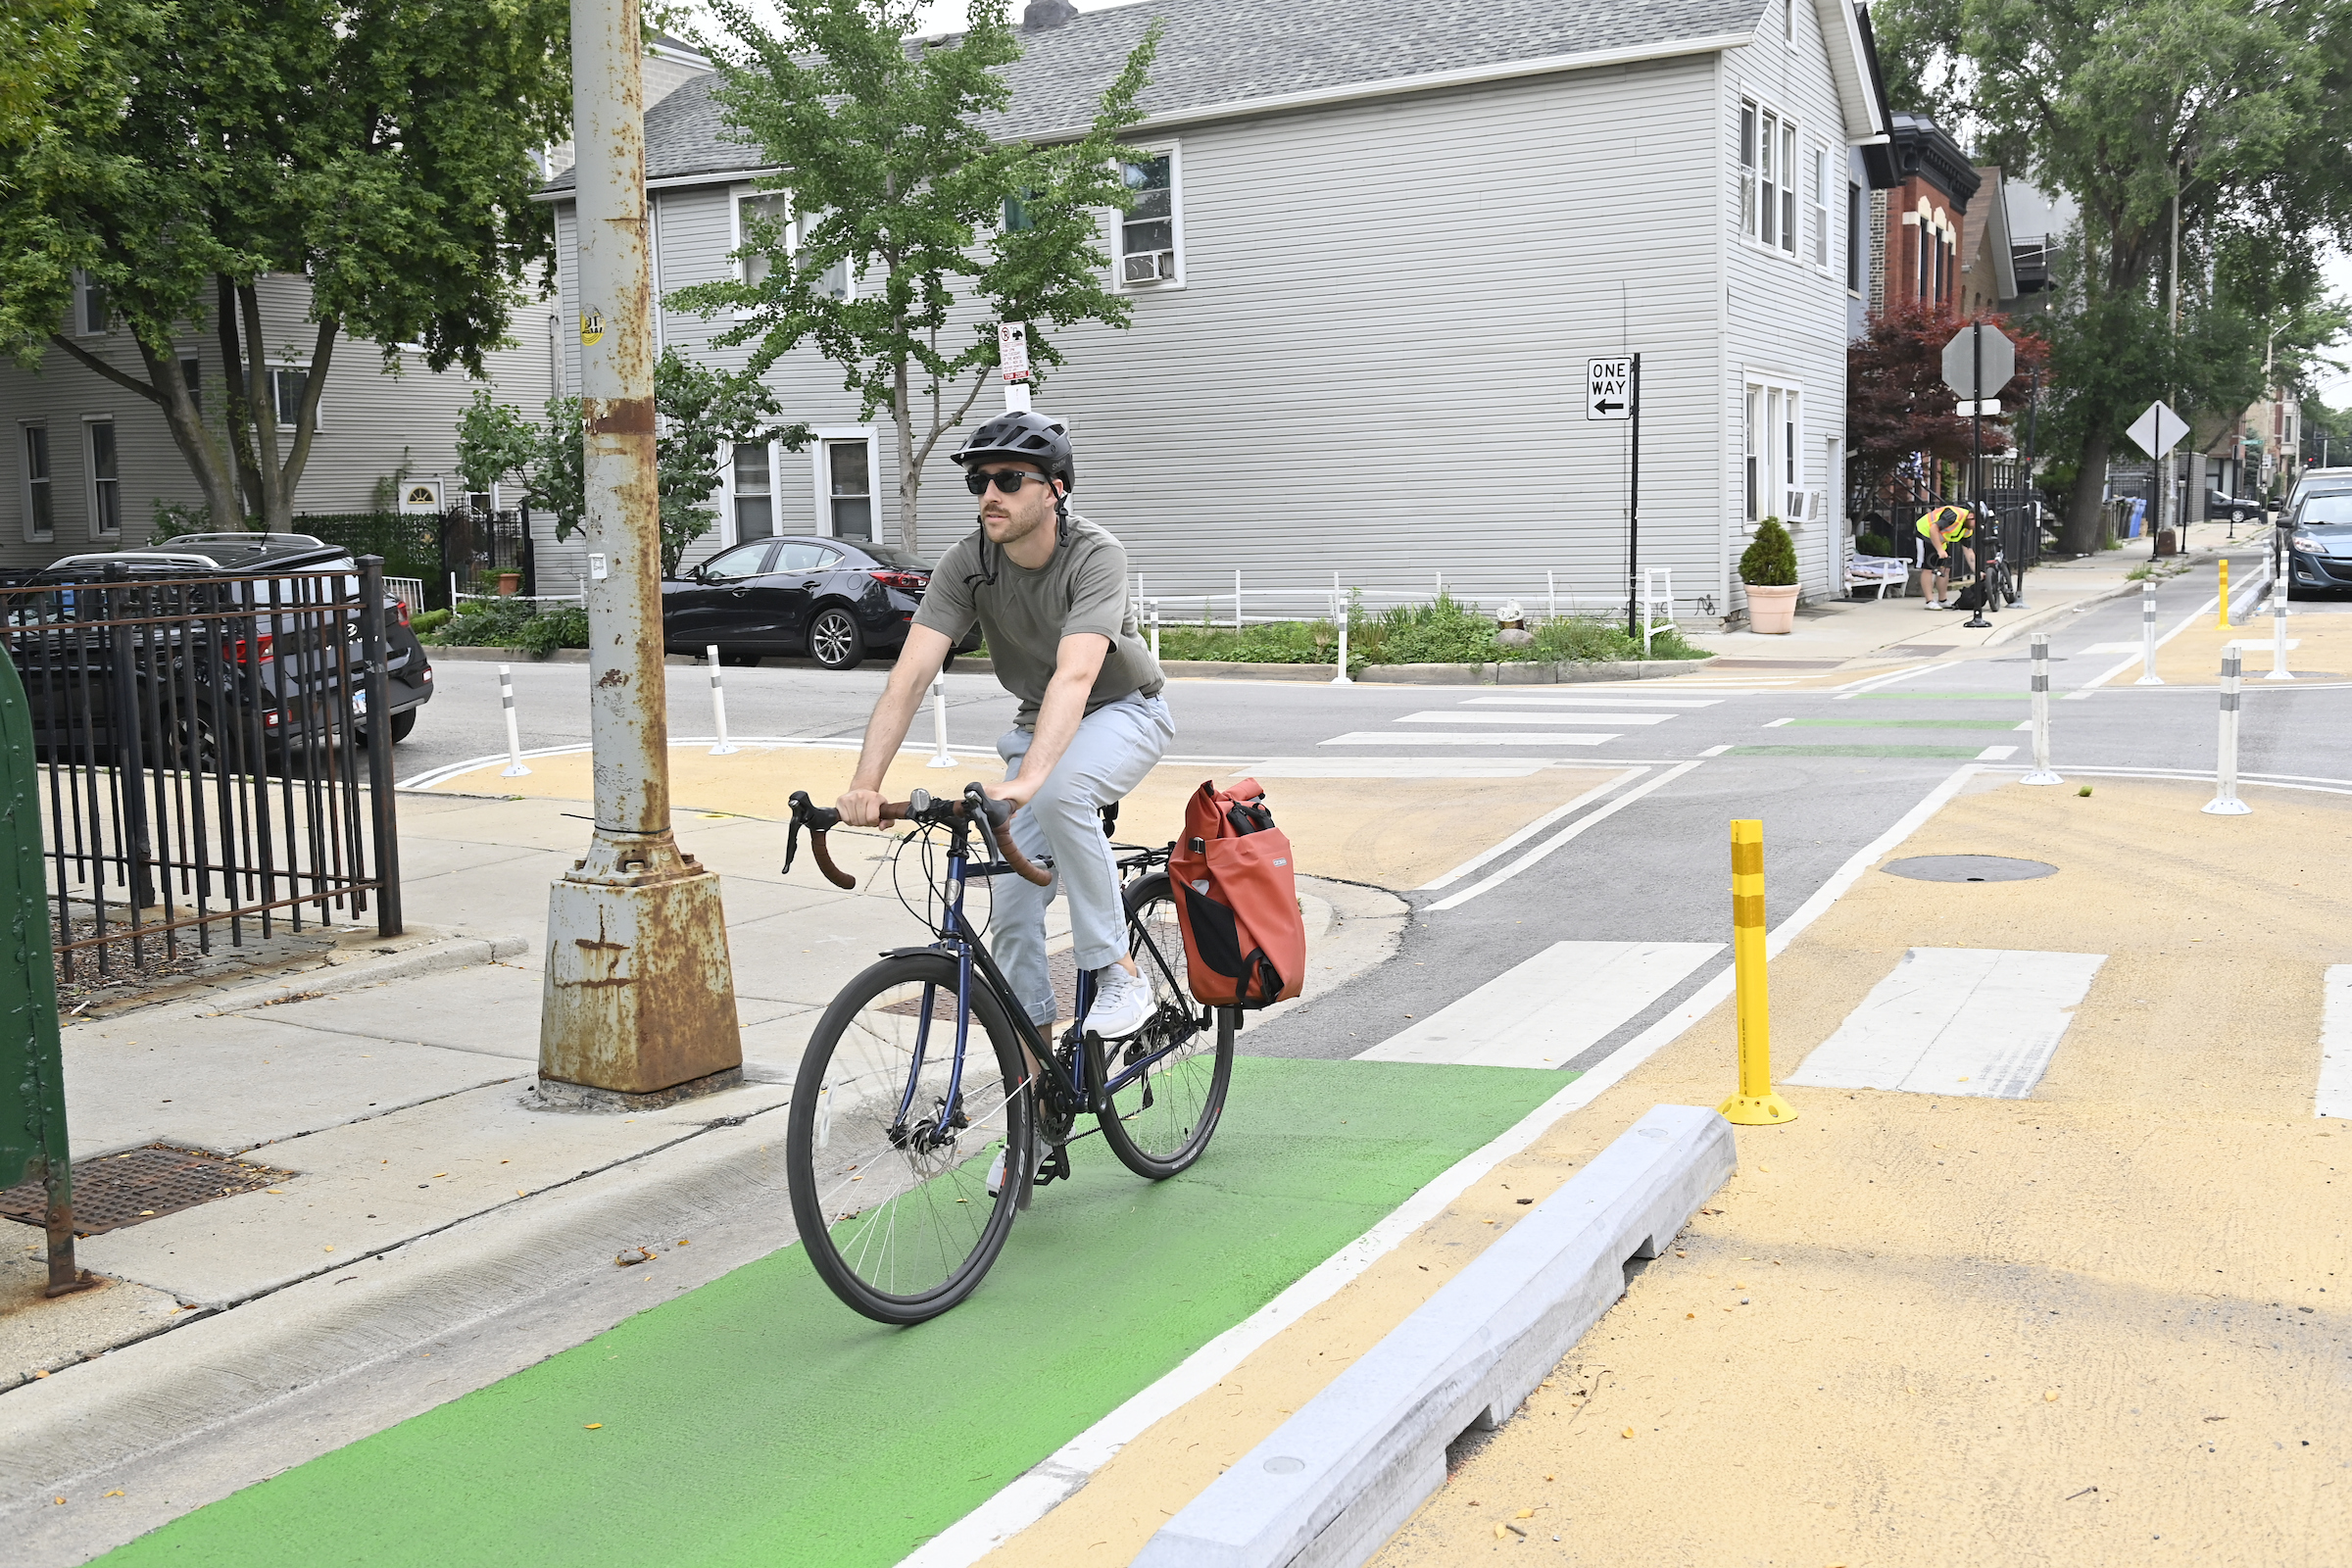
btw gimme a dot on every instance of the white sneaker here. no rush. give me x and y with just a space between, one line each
1122 1003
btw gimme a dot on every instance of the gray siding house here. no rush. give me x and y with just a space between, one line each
89 462
1399 230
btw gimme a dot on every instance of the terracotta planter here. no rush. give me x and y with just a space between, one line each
1770 610
509 582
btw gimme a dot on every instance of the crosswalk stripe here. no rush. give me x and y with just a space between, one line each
1544 1011
1595 702
1391 738
2336 1043
1457 716
1980 1021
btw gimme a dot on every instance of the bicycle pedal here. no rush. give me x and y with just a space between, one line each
1054 1167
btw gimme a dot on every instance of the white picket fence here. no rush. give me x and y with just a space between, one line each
1654 596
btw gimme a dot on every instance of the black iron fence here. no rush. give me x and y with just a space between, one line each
470 545
202 756
2014 508
481 545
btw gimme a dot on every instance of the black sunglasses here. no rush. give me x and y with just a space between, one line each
1008 481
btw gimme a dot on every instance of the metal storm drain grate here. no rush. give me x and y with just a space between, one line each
1968 868
112 1191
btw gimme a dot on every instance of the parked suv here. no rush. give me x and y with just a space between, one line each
267 669
835 600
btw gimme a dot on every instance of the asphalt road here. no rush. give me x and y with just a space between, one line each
1855 762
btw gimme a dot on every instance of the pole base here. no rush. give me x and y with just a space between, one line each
943 760
1756 1111
1341 680
639 996
2278 674
2227 805
2149 680
2043 777
1976 623
723 749
512 770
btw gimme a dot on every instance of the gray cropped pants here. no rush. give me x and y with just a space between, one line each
1115 747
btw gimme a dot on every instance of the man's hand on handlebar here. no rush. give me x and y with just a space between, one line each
1016 793
859 808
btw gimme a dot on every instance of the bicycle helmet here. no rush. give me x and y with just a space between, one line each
1027 436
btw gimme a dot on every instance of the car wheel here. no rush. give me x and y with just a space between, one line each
402 724
834 640
738 659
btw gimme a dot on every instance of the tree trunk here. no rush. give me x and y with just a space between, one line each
911 474
2083 507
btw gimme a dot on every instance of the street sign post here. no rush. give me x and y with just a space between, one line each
1012 356
1977 363
2156 432
1613 392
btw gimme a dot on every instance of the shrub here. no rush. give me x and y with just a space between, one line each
487 623
1442 632
1282 642
1873 544
428 620
1770 559
564 627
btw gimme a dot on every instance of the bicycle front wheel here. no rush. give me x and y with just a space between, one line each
1160 1121
904 1172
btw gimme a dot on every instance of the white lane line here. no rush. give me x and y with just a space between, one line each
1387 738
2256 645
1455 716
2104 676
450 770
1397 767
1717 751
1595 702
1776 723
1544 1011
2118 647
1563 836
2335 1044
1530 830
1030 1497
1980 1021
1854 689
2023 724
1997 753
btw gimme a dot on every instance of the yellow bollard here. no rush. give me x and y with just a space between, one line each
1755 1105
2224 593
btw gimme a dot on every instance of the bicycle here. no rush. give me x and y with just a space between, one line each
907 1163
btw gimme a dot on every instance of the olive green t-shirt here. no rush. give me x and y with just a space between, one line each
1025 614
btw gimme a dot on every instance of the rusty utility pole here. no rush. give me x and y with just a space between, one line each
640 997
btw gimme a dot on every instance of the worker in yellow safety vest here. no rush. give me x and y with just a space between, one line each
1943 535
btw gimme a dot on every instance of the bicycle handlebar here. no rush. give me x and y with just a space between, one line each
924 808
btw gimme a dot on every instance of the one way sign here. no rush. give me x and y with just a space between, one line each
1609 388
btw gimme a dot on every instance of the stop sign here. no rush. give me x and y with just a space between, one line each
1961 360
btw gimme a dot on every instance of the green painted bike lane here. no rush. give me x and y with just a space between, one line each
758 1421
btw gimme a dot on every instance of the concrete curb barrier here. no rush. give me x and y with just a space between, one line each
437 653
1528 672
1334 1481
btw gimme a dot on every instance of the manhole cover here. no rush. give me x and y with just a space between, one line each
1968 868
112 1191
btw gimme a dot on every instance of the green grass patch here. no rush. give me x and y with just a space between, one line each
1444 631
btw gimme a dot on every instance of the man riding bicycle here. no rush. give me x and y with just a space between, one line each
1943 535
1049 591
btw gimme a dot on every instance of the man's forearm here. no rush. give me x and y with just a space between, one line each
1058 718
893 714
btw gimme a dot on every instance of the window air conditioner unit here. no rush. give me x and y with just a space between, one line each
1151 266
1795 509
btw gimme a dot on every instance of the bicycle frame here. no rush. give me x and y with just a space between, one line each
1066 1089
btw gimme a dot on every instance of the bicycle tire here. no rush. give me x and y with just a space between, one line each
1160 1124
928 1240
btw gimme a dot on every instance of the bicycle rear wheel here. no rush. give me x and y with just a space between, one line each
1159 1123
890 1182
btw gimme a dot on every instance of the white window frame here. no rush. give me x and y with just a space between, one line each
90 480
83 288
820 472
1173 152
1818 178
737 195
728 535
1769 177
272 367
1857 236
1772 407
34 534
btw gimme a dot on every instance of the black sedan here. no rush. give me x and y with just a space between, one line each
2318 545
834 600
2220 506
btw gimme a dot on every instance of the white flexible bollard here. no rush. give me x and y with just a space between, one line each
2147 637
1341 678
2041 773
505 700
718 706
2279 670
939 755
2224 801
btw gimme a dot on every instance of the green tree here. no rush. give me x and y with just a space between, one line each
905 193
2237 115
41 60
701 414
1770 559
494 440
379 149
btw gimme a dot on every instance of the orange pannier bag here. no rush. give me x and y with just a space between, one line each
1245 940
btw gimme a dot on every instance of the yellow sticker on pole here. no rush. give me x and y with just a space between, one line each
592 326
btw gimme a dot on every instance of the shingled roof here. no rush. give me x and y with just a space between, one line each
1234 55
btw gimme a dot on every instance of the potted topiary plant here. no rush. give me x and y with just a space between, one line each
1768 567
